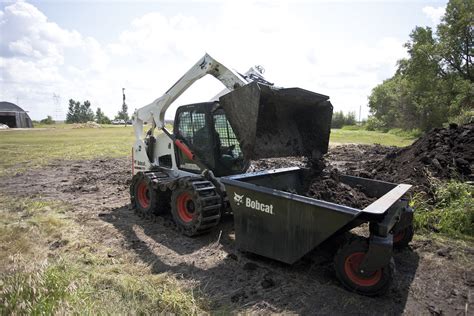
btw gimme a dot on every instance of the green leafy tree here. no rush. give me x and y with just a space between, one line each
123 114
101 118
455 33
339 119
434 84
87 115
79 113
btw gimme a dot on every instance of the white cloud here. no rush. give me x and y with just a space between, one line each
34 53
39 58
434 14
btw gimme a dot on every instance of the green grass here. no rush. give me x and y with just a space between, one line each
79 277
342 136
25 149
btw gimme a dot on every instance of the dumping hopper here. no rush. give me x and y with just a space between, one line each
277 122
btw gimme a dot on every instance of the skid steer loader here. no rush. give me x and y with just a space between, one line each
214 139
196 172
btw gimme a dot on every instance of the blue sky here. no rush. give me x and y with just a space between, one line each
89 50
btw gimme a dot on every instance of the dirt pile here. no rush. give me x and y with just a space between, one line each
443 153
327 186
86 125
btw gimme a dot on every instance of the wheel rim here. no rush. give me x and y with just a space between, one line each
143 194
399 236
352 270
186 207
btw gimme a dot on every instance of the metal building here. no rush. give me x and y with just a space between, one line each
14 116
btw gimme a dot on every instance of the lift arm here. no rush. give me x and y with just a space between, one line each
155 112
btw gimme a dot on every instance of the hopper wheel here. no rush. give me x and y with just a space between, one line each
347 266
403 237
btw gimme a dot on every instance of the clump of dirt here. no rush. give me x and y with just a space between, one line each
443 153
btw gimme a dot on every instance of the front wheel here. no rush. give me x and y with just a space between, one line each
347 266
195 206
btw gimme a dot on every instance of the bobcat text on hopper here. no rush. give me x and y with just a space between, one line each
256 205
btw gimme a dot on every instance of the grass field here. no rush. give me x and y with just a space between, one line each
22 149
342 136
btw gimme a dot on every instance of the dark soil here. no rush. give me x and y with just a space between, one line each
97 192
322 182
443 153
327 186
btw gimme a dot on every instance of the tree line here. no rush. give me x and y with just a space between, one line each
82 113
435 84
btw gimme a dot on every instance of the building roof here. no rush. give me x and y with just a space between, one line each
10 107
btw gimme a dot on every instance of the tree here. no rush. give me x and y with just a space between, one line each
70 112
123 114
48 120
339 119
86 112
456 34
434 84
101 118
79 113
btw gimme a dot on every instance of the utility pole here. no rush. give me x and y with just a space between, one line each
57 109
360 111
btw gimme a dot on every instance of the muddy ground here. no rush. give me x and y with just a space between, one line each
430 279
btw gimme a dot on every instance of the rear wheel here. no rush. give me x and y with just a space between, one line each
402 238
144 196
195 206
347 265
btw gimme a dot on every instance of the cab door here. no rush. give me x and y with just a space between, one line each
193 125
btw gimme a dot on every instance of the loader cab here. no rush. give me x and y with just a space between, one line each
206 130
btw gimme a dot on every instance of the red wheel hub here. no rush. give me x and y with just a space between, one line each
185 207
143 194
352 270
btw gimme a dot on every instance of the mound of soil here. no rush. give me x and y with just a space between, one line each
322 181
327 186
443 153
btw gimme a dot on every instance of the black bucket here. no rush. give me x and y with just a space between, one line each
277 122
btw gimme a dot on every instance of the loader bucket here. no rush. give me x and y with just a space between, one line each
276 122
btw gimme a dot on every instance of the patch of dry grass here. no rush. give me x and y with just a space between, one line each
49 265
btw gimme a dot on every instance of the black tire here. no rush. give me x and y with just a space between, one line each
195 206
346 261
145 198
403 238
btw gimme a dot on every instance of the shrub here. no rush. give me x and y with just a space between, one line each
48 120
374 124
451 212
